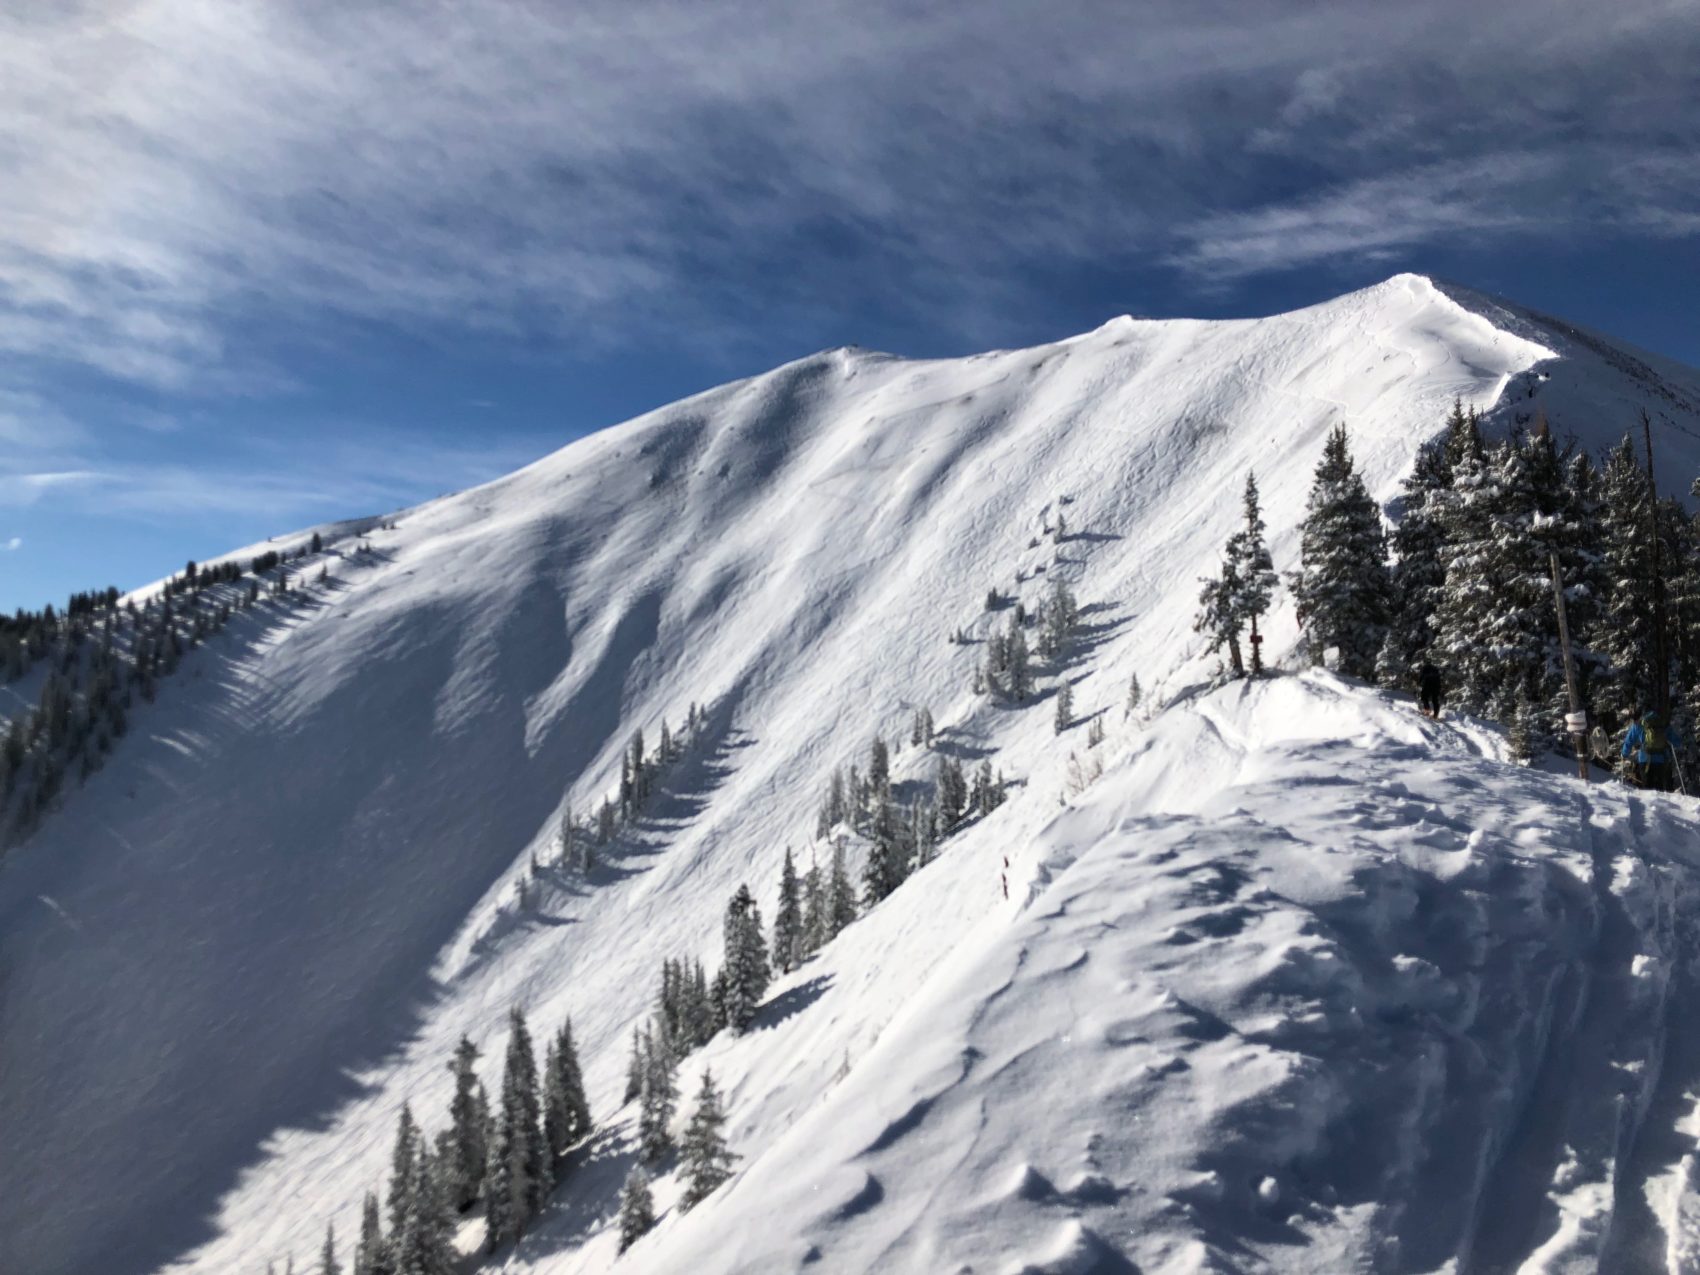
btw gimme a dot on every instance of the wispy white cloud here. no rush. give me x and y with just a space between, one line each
12 545
373 471
590 169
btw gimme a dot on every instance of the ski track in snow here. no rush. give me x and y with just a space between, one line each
1302 983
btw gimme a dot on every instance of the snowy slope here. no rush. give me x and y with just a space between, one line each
242 945
1304 983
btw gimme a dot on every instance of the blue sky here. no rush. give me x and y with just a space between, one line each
263 265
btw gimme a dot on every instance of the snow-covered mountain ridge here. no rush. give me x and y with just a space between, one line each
235 952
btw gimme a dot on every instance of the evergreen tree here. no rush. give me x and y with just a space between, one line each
1133 693
1524 731
747 969
952 793
328 1265
517 1173
840 894
369 1252
634 1067
788 920
1253 570
467 1130
879 769
566 1114
1418 575
1623 634
655 1111
1342 588
1018 676
637 1208
707 1161
884 869
1218 618
814 909
1065 707
406 1150
1059 617
1473 567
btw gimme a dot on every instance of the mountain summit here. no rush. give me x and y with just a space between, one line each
1203 1009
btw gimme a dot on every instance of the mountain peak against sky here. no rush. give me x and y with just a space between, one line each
291 889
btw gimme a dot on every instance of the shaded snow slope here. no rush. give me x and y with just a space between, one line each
233 954
1305 983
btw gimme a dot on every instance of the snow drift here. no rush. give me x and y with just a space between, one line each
239 948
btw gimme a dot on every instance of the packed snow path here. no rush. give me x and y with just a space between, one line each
233 954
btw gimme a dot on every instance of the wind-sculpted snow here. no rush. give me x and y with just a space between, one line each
1306 984
233 954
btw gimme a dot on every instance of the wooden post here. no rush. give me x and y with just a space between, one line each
1577 718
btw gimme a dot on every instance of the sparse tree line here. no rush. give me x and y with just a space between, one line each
504 1160
1466 580
641 775
96 656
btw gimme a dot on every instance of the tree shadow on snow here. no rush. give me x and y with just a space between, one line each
791 1002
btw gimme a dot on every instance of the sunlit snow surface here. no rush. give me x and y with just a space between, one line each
1257 1000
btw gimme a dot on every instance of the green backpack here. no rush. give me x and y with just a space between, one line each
1653 735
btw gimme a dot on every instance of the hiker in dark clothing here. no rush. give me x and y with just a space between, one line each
1428 680
1647 748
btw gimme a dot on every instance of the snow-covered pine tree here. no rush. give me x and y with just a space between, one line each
747 968
1418 574
369 1252
555 1133
1059 616
837 810
328 1265
923 831
439 1219
655 1108
634 1067
1623 632
952 789
424 1246
788 919
1254 571
1565 526
814 908
466 1129
697 1015
404 1151
1218 619
637 1208
1018 676
1133 693
1524 731
1342 588
565 837
707 1160
517 1173
884 869
1065 707
1469 600
1392 669
840 894
566 1093
879 769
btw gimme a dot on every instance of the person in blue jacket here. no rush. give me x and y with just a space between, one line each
1647 749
